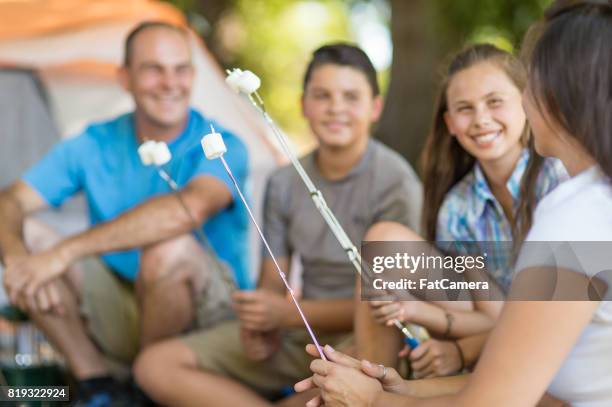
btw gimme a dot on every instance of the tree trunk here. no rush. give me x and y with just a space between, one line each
416 54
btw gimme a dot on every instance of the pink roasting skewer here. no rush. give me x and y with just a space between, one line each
280 272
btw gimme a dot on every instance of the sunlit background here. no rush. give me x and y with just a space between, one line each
274 39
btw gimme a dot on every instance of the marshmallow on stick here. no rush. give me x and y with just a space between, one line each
214 147
154 152
243 81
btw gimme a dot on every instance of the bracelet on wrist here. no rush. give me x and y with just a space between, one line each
450 318
461 356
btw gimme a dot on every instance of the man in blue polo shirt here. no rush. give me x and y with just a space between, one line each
153 279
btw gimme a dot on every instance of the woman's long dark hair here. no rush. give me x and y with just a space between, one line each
569 58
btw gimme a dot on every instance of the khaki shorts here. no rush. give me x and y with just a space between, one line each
110 309
219 351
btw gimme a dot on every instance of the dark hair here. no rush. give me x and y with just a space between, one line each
570 72
345 55
129 41
444 162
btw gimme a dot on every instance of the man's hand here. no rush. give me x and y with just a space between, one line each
46 299
433 358
260 310
25 275
259 346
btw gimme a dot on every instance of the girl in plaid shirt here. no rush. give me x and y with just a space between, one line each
481 184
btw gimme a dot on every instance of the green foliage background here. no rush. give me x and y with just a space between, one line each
274 38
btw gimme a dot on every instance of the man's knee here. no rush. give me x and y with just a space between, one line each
39 236
170 260
155 365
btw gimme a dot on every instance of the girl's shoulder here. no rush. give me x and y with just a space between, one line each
577 210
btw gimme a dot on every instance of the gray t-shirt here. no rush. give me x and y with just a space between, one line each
381 187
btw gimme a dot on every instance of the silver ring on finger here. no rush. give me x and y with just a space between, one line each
384 373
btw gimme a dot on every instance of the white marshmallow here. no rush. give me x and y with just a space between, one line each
154 152
243 81
145 151
213 145
249 82
161 153
233 79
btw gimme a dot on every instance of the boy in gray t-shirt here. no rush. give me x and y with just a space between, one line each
363 182
380 187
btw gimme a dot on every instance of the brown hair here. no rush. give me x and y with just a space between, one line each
343 54
570 65
444 162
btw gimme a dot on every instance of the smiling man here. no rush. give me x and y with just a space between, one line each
137 275
246 362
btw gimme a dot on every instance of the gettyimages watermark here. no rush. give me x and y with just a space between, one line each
487 271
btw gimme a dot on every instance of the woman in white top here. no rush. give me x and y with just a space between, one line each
563 347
